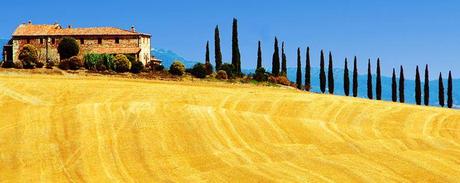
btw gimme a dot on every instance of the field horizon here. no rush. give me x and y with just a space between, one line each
74 128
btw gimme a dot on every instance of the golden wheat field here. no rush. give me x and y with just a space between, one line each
101 129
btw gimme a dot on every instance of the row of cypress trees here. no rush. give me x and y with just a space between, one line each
280 69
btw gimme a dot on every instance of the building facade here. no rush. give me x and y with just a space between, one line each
101 40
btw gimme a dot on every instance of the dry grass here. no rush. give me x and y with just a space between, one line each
73 128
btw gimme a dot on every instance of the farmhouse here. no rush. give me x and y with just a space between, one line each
100 40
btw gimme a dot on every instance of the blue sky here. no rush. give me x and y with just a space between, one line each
406 32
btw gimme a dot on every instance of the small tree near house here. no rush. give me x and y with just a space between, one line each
68 47
29 56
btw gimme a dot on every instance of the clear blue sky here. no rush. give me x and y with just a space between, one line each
406 32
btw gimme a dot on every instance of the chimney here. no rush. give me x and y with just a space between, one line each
30 22
133 29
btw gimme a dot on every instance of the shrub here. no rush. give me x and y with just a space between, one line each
91 61
18 65
68 47
109 61
29 56
260 74
75 63
222 75
39 64
282 80
50 64
159 67
64 64
121 63
136 66
199 70
8 64
228 68
131 58
177 68
209 68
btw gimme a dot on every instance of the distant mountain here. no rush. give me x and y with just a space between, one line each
168 57
386 85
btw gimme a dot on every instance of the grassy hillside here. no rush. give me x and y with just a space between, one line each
98 129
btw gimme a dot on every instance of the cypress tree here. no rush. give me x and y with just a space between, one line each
378 87
418 88
299 70
401 85
330 75
449 91
426 87
355 77
283 61
369 80
322 74
236 58
307 70
276 59
394 97
441 91
346 79
207 60
217 51
259 56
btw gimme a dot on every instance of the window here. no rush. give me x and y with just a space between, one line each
53 40
28 40
41 40
99 41
117 40
82 41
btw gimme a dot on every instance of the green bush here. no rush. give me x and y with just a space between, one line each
108 61
68 47
121 63
18 65
64 64
177 68
91 61
199 70
75 63
260 75
229 69
29 56
222 75
209 69
137 66
131 57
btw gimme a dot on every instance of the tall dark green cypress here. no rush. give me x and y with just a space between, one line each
330 75
299 70
369 80
217 51
394 86
441 91
236 58
346 79
322 73
259 56
207 59
378 83
418 88
355 77
283 61
450 100
401 85
307 71
426 88
276 59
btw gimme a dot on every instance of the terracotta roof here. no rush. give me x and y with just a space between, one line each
57 30
116 50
